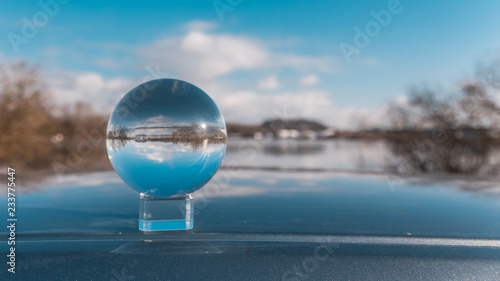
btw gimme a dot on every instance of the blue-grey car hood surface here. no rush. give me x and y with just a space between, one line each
263 225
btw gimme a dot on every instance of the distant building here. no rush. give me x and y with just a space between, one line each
140 138
293 128
280 128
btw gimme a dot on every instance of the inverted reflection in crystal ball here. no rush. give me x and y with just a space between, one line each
165 138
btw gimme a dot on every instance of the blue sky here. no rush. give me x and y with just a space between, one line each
263 59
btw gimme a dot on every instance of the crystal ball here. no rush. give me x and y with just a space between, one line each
166 138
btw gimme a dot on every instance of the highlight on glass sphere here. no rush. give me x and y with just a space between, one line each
166 138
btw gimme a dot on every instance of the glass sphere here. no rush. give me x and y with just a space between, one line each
166 138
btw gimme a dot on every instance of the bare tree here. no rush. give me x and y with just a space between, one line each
25 120
32 136
452 133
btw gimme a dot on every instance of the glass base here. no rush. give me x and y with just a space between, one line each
157 214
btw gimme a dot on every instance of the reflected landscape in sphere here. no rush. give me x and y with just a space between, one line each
166 137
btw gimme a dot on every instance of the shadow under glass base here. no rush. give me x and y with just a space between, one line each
157 214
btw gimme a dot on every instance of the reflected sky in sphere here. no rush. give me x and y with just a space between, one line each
166 137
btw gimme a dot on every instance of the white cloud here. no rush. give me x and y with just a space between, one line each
247 106
202 54
91 87
269 83
199 55
236 104
205 58
309 80
162 152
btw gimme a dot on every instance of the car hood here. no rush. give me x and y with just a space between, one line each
261 224
270 202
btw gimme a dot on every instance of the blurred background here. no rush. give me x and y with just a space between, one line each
397 87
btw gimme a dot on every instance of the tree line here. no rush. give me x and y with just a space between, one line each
36 133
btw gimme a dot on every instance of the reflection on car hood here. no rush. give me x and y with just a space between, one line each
274 202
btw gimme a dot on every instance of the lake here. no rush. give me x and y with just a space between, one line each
353 155
372 156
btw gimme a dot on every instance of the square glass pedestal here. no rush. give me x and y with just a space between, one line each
157 214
